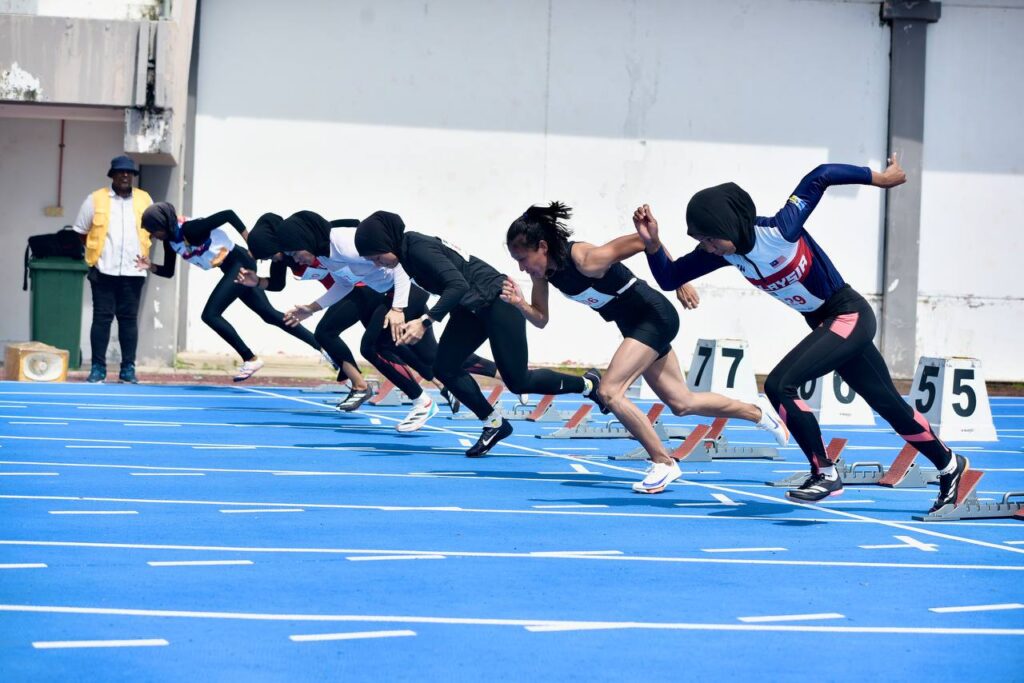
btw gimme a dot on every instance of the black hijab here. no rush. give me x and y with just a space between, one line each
263 241
161 216
305 231
725 212
381 233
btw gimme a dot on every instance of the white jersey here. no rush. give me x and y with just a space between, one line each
208 255
348 268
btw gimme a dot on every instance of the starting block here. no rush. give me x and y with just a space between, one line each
518 411
718 446
543 412
834 451
332 388
686 451
387 394
904 473
577 428
968 506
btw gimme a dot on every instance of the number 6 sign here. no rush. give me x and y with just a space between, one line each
951 394
835 402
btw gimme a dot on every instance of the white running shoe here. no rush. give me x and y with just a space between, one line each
418 416
248 369
770 421
658 476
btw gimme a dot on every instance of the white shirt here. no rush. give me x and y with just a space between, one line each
208 255
347 268
121 246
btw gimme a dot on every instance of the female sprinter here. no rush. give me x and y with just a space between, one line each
594 276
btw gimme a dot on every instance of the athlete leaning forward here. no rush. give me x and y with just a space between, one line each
595 276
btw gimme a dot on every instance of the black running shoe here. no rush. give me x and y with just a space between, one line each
817 487
355 398
949 484
489 437
595 380
449 397
127 374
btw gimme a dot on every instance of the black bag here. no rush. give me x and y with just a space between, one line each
65 242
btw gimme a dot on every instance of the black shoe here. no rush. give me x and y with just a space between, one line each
127 374
355 398
97 374
595 380
489 437
449 397
949 484
816 487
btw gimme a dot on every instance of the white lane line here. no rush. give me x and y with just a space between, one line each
357 635
577 448
259 511
199 563
723 489
724 499
501 555
976 608
375 558
791 617
559 507
93 512
1014 542
845 502
466 442
224 448
29 474
150 424
27 565
167 474
573 553
375 420
741 550
100 447
47 424
906 542
62 644
529 623
580 468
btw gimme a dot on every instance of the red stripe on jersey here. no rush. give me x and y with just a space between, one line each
794 271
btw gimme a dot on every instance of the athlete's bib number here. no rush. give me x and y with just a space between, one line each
591 297
314 274
457 249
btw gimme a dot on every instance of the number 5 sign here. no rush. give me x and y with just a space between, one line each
722 366
951 394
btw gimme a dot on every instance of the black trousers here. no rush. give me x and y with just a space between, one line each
114 296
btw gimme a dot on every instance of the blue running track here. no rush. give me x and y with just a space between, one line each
168 533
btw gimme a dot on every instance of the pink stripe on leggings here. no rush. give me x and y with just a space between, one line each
926 435
843 325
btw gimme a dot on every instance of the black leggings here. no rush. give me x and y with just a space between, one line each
504 325
357 306
843 343
392 361
227 292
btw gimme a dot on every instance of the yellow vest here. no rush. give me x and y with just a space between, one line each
101 219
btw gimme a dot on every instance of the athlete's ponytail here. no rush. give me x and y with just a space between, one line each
543 223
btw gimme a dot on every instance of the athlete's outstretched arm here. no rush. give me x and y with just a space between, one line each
671 274
790 218
594 261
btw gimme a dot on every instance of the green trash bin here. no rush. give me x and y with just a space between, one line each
57 284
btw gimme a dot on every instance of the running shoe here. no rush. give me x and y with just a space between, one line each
449 398
489 437
816 487
355 398
248 369
949 484
595 380
127 374
418 416
97 374
658 476
771 423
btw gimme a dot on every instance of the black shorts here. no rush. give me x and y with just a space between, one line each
649 317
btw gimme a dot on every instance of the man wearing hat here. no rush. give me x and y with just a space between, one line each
111 221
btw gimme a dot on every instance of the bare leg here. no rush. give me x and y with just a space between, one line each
630 359
666 379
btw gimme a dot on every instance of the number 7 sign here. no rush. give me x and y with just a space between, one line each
951 394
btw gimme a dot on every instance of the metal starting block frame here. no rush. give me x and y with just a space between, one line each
718 447
545 412
904 473
686 451
386 394
332 388
577 427
968 506
518 411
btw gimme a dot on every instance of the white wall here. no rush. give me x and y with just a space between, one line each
86 9
459 114
28 184
973 188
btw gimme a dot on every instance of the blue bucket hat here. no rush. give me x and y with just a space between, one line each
122 163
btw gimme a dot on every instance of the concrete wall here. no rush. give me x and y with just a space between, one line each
87 9
460 114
